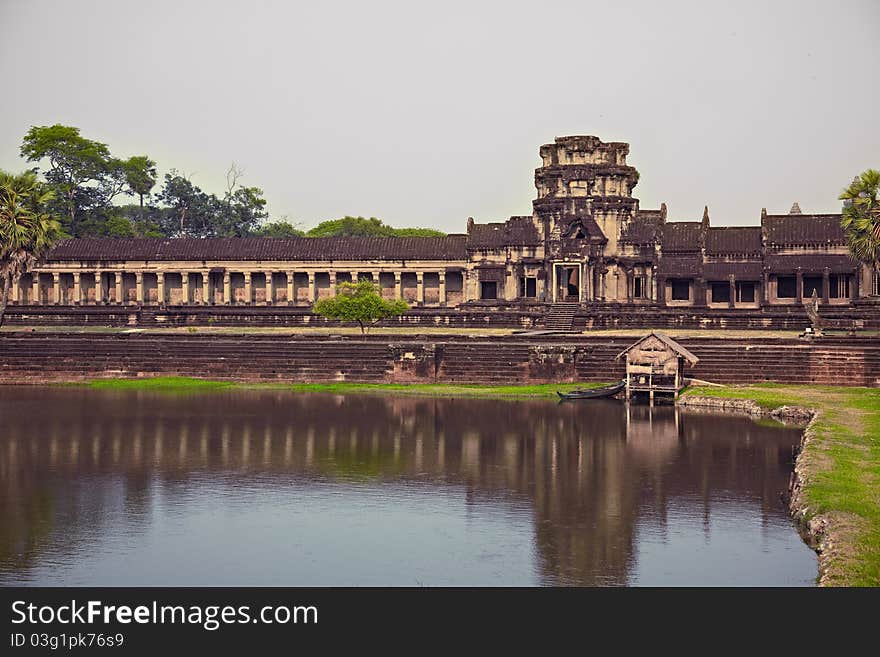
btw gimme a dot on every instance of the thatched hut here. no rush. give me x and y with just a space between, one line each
655 364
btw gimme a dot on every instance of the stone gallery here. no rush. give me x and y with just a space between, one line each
586 241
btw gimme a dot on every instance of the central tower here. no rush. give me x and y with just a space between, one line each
584 201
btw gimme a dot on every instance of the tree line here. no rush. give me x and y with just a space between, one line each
89 185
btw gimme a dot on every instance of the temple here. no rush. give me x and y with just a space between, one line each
586 241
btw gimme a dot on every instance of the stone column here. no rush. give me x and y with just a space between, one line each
206 284
826 285
731 302
332 275
660 292
354 277
398 283
35 283
765 286
312 291
99 293
160 287
77 288
629 277
377 276
857 281
270 289
248 290
56 288
420 288
184 288
290 299
602 285
227 288
16 291
442 274
700 291
653 288
139 287
118 279
799 284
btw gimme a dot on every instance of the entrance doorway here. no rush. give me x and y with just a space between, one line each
568 287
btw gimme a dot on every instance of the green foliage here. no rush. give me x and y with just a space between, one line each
362 227
27 229
417 232
278 229
190 212
73 162
360 303
861 216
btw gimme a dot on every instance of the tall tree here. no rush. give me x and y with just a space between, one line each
140 175
27 230
74 161
861 217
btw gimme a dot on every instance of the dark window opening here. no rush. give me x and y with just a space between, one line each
839 287
720 292
639 287
786 287
745 293
528 286
488 290
681 290
811 284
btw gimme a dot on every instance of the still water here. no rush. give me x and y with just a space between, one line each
122 488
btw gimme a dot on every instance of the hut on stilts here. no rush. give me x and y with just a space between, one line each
654 365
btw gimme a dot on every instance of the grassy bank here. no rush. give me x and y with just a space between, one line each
176 384
842 468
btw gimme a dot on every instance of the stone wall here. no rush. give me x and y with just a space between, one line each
45 357
474 315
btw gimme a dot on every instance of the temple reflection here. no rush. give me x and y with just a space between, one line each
588 471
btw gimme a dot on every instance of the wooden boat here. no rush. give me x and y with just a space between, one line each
593 393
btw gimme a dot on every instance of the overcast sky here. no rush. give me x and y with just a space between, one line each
423 114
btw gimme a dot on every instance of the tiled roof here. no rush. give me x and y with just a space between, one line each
812 263
733 240
786 229
679 266
451 247
682 236
643 229
744 271
516 231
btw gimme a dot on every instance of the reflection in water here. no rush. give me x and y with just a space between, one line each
128 488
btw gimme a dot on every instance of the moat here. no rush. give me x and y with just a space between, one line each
126 488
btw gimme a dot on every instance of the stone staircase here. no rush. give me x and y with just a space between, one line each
560 317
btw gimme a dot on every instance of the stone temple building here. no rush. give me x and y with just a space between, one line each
586 241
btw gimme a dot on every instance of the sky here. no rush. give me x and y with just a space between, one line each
424 114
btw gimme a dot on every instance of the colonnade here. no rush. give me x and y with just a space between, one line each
220 286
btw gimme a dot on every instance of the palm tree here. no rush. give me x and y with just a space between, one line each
27 231
861 217
140 174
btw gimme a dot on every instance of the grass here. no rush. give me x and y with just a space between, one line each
179 384
842 468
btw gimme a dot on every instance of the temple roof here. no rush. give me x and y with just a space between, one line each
812 263
451 247
787 229
683 266
743 271
516 231
734 240
682 236
643 229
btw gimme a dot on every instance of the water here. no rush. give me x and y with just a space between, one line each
121 488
